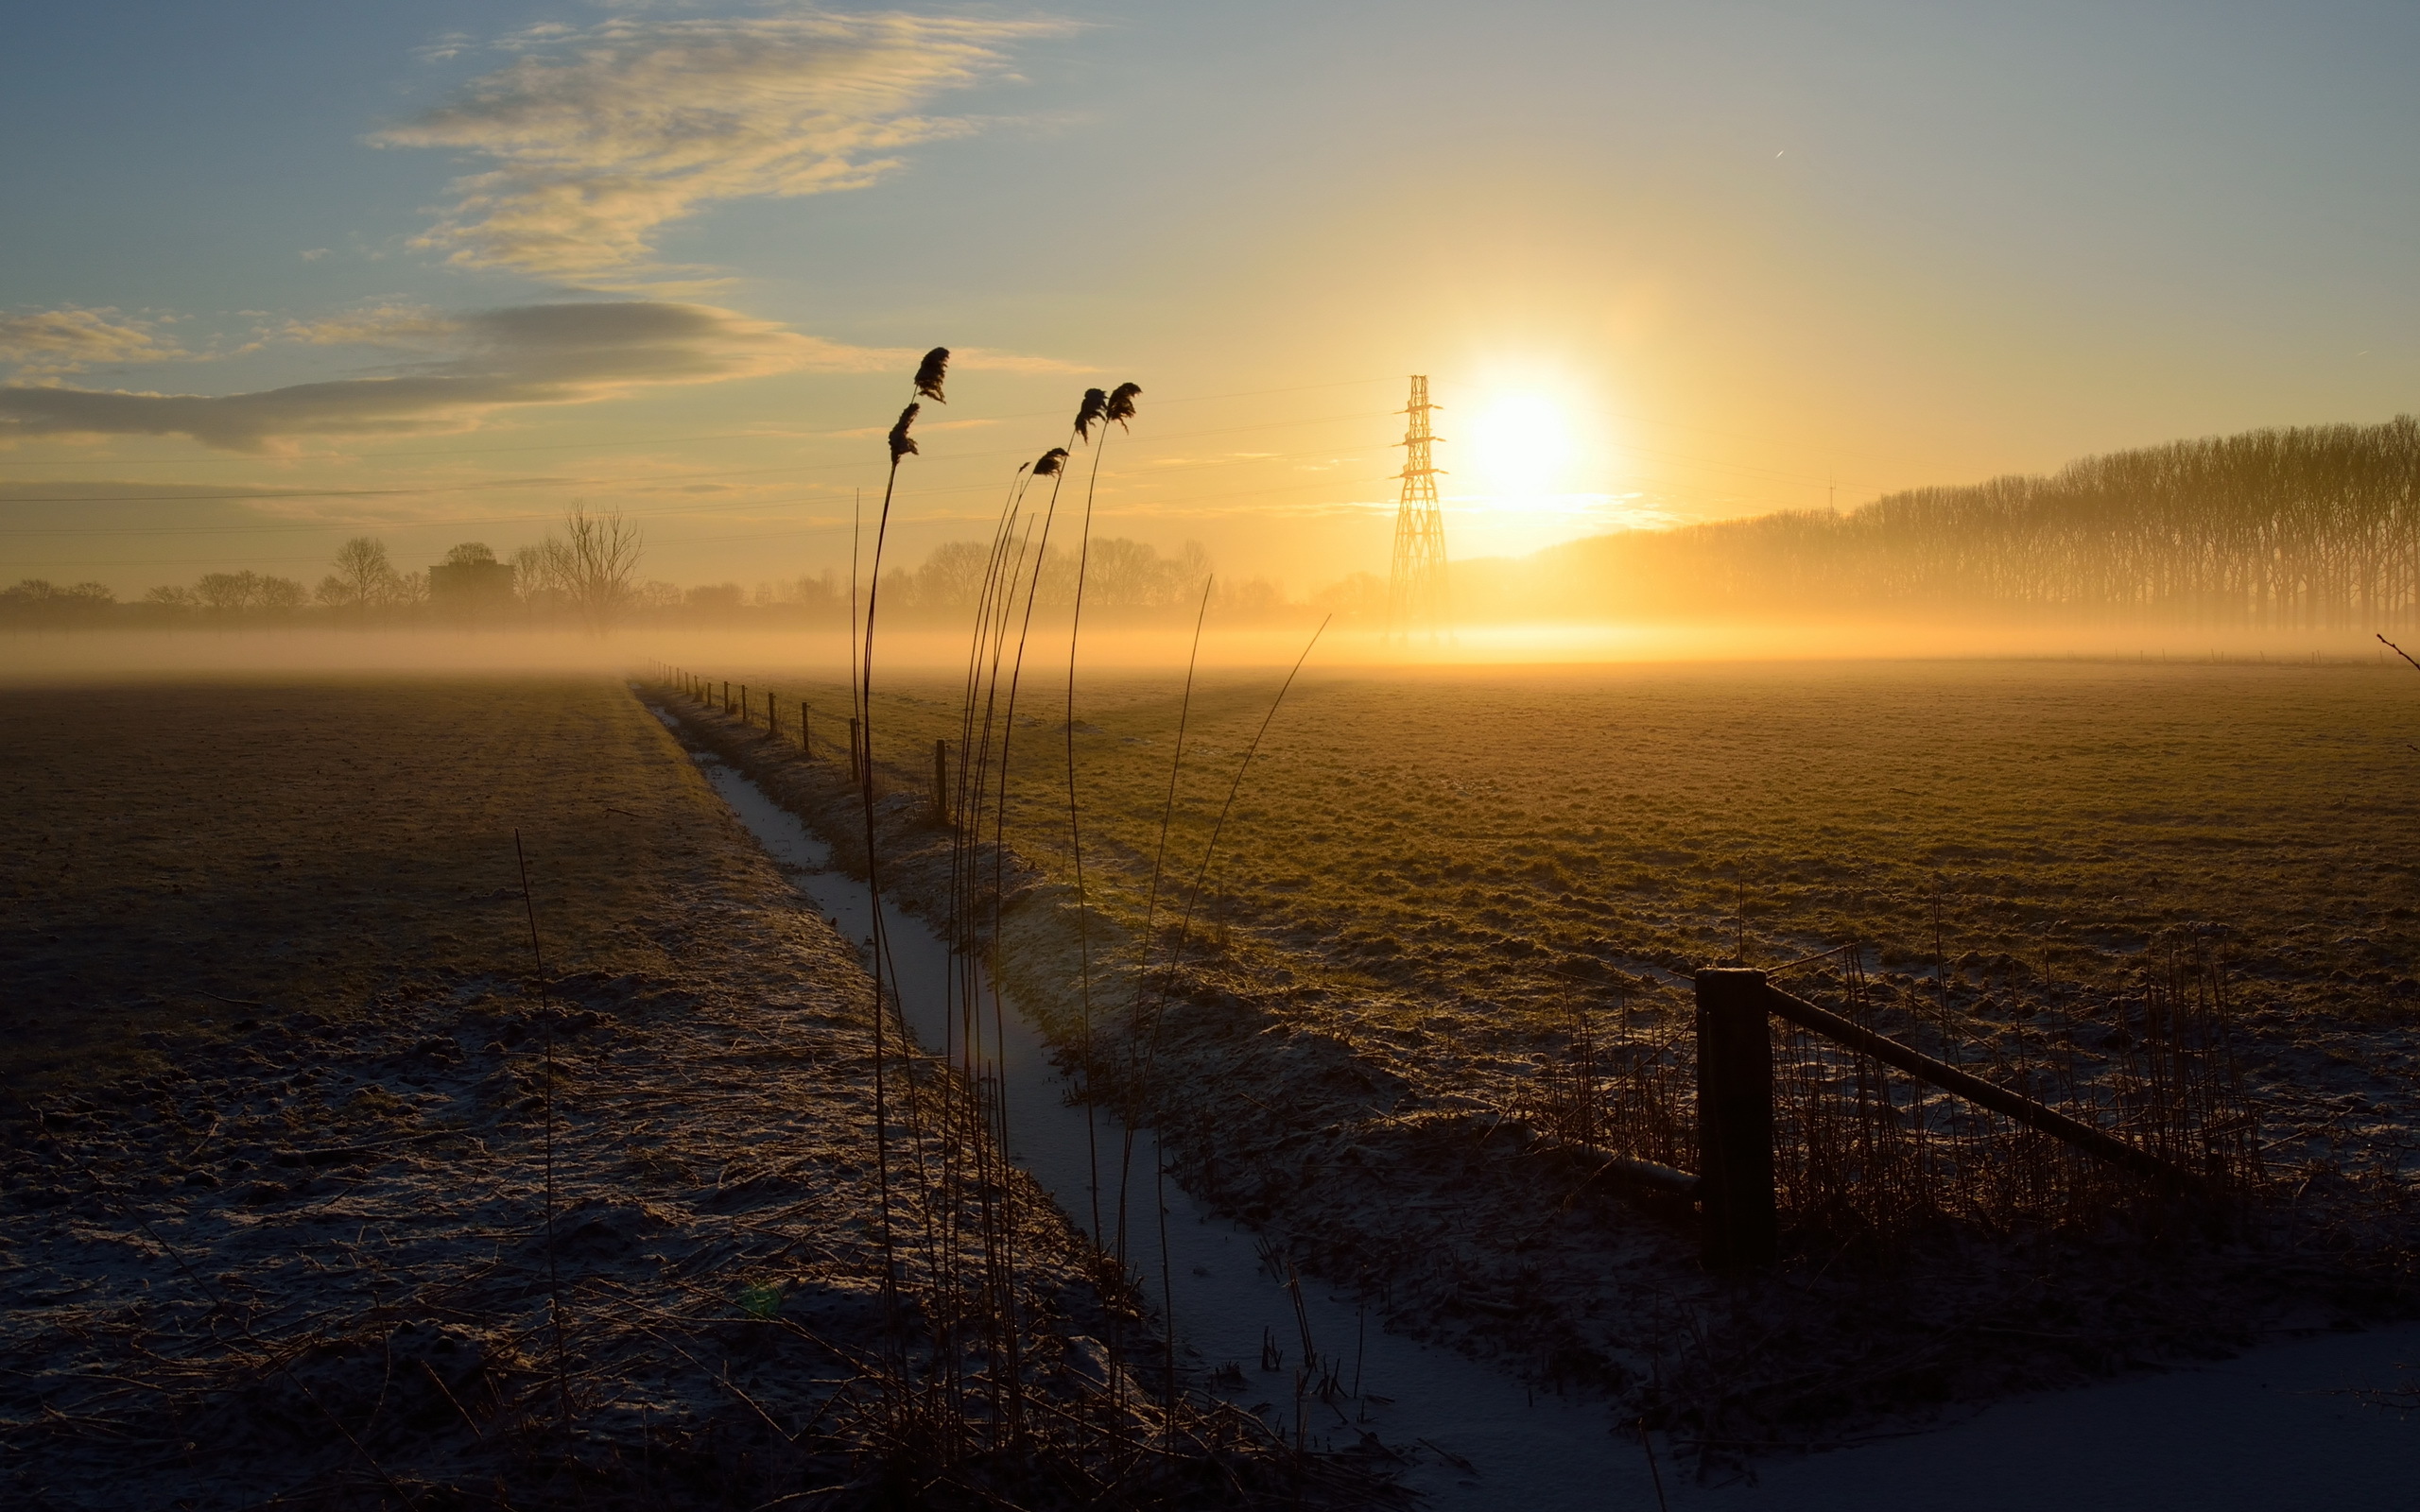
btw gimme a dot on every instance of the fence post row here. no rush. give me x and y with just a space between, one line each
1742 1225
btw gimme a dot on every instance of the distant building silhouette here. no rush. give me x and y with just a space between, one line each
471 584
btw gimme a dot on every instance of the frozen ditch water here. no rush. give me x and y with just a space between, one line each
1432 1407
2281 1426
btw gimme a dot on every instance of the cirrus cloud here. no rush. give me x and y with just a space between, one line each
46 342
600 138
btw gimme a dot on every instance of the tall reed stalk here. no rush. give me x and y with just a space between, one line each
902 445
1118 406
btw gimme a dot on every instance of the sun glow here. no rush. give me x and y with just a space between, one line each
1521 448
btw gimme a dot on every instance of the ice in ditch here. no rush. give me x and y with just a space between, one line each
1474 1436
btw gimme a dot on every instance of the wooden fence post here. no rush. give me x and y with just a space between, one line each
940 781
1736 1118
726 698
805 736
773 718
747 711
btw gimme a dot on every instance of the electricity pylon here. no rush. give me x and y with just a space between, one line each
1416 589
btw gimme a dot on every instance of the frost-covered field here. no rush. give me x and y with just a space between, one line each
285 1217
1425 876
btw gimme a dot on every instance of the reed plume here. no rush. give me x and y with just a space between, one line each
902 444
929 375
1096 404
1120 405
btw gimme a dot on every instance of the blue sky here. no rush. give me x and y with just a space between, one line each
1709 259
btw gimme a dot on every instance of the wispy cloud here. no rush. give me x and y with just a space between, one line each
456 368
386 324
600 138
46 343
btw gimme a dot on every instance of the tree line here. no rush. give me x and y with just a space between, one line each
586 573
2308 527
582 573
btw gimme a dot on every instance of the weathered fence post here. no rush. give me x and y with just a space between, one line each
805 736
940 781
747 711
773 718
1736 1118
726 698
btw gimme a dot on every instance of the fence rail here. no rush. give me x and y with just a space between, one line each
1736 1188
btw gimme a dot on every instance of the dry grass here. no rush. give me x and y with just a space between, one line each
1484 842
1433 877
183 852
294 1249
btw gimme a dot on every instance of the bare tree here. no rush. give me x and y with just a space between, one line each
228 592
602 555
364 577
541 572
952 576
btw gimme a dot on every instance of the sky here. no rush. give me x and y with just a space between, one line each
274 275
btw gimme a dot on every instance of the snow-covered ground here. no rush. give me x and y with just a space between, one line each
2285 1426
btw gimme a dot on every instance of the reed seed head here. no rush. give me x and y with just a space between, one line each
929 375
1122 403
902 444
1096 404
1050 462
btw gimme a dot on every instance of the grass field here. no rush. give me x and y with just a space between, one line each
187 854
1480 837
1425 876
317 1191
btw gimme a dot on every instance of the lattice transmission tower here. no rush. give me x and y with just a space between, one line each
1416 589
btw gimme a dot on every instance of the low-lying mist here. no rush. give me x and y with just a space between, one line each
925 649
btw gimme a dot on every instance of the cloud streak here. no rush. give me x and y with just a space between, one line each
49 342
468 366
599 139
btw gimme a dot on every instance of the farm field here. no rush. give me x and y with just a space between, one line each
1428 880
187 854
313 1189
1491 839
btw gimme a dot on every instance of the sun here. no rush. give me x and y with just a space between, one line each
1520 446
